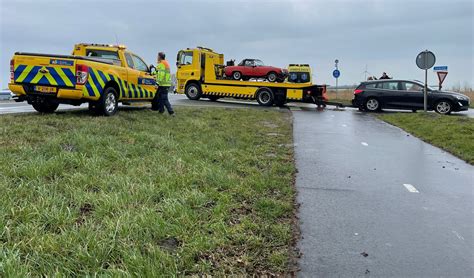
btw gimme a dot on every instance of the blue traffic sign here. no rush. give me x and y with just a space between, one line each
336 73
440 68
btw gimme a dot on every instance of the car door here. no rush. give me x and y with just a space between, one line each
146 82
390 95
249 68
132 81
260 69
412 95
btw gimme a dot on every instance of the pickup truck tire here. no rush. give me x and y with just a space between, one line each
193 91
108 103
45 106
265 97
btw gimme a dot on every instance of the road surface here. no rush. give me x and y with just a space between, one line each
376 201
8 107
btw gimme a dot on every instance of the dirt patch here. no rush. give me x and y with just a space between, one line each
169 243
84 211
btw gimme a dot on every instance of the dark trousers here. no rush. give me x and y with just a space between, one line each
163 100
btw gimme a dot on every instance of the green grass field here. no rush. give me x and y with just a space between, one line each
142 194
454 134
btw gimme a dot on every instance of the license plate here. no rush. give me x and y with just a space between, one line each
44 89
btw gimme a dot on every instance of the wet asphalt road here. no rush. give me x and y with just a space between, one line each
357 216
9 107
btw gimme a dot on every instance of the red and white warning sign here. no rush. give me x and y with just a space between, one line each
441 76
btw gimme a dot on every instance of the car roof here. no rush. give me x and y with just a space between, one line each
389 80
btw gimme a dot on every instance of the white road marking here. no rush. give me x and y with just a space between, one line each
460 237
411 188
344 125
364 144
13 107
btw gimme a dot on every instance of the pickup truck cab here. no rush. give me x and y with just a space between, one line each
98 74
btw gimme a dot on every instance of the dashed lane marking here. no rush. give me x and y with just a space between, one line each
411 188
460 237
364 144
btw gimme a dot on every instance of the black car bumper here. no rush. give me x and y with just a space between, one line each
461 105
357 102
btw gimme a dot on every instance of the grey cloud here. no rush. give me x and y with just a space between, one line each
384 34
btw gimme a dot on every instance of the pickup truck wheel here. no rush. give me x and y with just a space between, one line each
45 106
272 77
108 103
265 97
193 91
236 75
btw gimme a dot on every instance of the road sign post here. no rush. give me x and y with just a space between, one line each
336 73
425 60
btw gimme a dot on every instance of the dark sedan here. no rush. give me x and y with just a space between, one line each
403 94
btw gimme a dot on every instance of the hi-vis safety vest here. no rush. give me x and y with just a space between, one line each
163 74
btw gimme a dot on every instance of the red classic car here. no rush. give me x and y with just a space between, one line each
253 68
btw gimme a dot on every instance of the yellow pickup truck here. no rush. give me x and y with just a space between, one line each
101 75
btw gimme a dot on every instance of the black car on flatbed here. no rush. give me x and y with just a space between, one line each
405 94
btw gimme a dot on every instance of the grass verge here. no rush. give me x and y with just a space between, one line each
454 134
143 194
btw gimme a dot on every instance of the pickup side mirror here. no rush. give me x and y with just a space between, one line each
151 69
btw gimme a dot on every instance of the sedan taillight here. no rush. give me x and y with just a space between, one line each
358 91
82 73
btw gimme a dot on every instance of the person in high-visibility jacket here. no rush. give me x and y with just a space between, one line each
163 81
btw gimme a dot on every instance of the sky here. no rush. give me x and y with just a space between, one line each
382 35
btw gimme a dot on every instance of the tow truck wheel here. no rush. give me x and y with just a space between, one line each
45 106
272 77
236 75
108 103
193 91
265 97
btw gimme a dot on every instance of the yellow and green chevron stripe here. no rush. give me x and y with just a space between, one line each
64 77
40 75
98 79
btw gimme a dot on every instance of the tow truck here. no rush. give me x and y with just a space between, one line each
99 74
200 74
